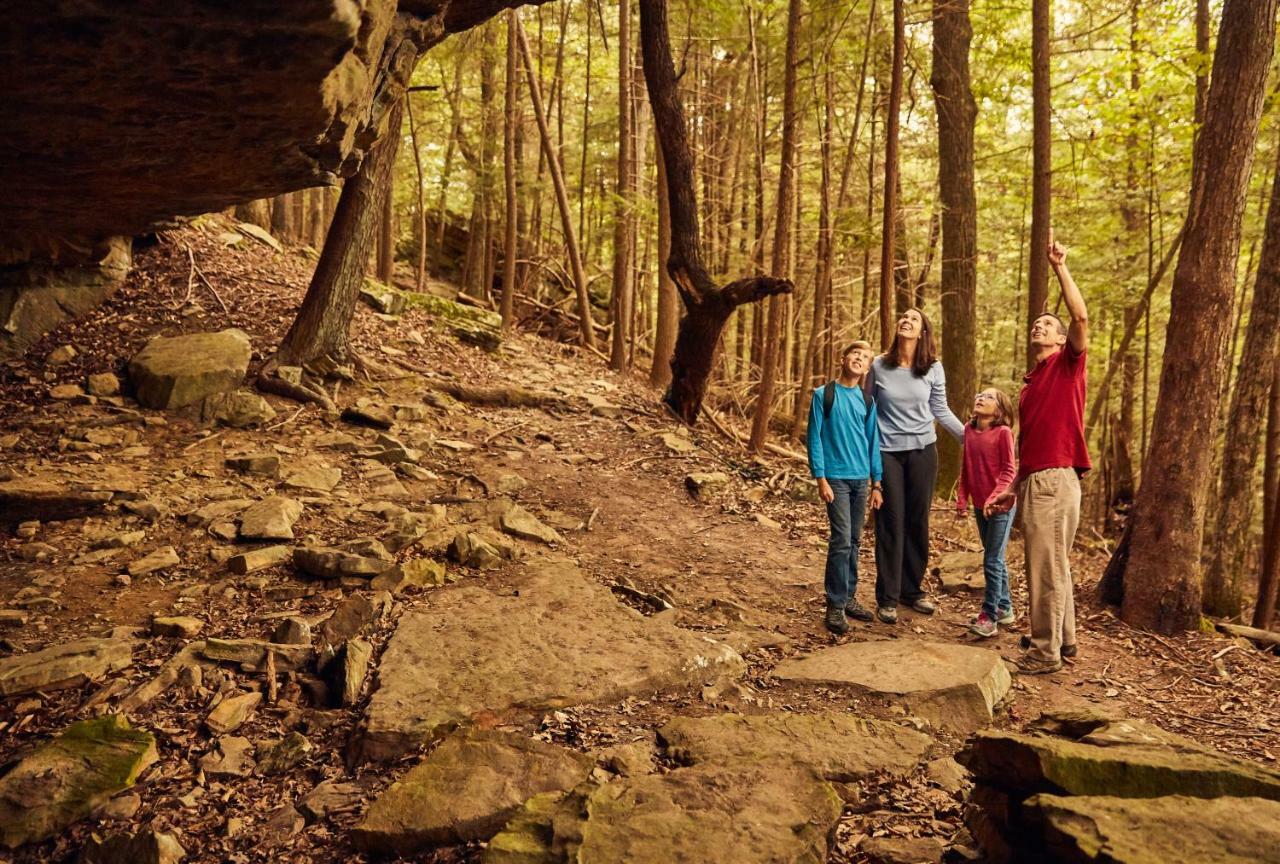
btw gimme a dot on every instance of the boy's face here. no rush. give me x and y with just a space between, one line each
856 362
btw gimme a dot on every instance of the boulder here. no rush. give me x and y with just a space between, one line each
70 777
326 562
465 791
238 409
956 686
104 384
382 297
840 747
171 372
271 518
62 665
706 485
560 639
177 626
46 501
519 522
709 814
471 549
144 847
959 571
232 712
276 756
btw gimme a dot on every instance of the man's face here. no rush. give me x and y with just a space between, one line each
911 325
1046 332
856 362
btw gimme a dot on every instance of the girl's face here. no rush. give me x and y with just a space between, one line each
985 404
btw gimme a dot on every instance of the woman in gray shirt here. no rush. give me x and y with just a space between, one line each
910 391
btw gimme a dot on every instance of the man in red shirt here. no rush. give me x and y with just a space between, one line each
1052 455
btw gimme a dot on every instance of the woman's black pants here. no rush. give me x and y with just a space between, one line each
902 525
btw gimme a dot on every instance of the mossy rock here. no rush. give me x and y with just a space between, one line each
71 776
454 313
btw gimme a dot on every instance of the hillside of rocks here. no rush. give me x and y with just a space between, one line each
499 607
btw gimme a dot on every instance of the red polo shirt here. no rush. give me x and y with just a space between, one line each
1051 415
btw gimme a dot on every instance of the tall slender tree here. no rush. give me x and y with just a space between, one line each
1041 167
510 251
623 295
889 220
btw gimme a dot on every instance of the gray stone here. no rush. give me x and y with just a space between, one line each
64 664
47 501
262 464
292 631
122 540
271 518
70 777
238 409
177 626
564 640
276 756
413 573
349 619
314 479
325 562
233 758
959 571
521 523
160 559
171 372
259 559
353 668
104 384
254 652
706 485
470 549
956 686
465 791
232 713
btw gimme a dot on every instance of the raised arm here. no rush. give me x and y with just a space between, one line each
1078 331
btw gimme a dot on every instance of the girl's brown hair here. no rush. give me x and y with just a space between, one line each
1007 416
926 350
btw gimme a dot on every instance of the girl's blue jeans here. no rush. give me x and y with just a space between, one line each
994 531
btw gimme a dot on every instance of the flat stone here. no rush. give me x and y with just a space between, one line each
1157 830
414 573
326 562
70 777
708 814
261 464
144 847
232 713
177 626
292 631
519 522
839 747
218 511
706 485
121 540
271 518
254 652
564 640
902 850
66 391
314 479
353 669
678 443
233 758
238 409
471 549
63 665
46 501
350 618
61 355
465 791
277 756
171 372
330 797
602 407
1126 758
104 384
369 416
259 559
161 559
959 571
955 686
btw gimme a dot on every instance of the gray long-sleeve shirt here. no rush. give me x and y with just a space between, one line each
907 406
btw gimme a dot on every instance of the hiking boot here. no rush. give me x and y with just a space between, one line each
924 606
1028 665
855 610
887 614
1006 618
835 621
1067 650
984 626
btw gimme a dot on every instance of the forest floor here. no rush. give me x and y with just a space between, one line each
613 484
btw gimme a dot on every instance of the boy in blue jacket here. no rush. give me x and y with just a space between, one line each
844 457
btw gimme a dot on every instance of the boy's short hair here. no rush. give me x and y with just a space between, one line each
860 345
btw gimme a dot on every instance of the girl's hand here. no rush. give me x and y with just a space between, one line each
999 503
961 515
876 499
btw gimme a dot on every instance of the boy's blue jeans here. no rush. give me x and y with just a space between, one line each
994 531
848 513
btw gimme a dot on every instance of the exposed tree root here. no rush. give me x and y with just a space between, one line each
501 397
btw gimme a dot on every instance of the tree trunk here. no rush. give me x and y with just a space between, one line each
707 305
1269 579
664 340
888 229
623 294
420 273
562 196
257 212
321 328
781 235
957 112
1041 168
1223 583
281 219
509 253
1162 579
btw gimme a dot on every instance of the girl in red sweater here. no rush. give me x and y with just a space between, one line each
988 471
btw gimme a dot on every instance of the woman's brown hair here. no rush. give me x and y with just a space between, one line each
926 350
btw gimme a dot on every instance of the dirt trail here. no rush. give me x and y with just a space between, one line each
746 566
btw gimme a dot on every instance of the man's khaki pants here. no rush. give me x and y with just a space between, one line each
1049 502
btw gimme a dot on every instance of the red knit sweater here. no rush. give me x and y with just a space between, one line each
988 468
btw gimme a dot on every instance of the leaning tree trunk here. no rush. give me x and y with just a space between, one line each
1041 168
1269 580
1161 579
708 305
956 115
664 339
321 328
889 221
1223 582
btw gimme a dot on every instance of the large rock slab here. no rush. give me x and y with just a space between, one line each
956 686
1125 758
47 501
173 371
838 747
708 814
959 570
466 790
271 518
145 847
560 639
1086 829
66 664
68 778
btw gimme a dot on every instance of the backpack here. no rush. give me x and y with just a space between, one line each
829 398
